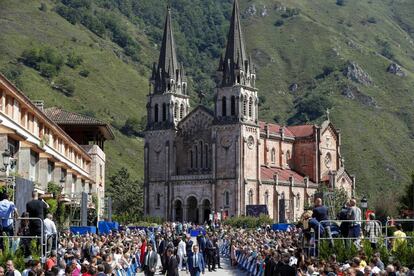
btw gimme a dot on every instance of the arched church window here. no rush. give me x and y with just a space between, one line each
250 197
233 106
245 106
164 112
298 201
266 198
196 157
201 154
156 113
288 157
328 160
250 107
184 88
158 200
191 159
175 110
181 111
206 164
224 106
226 198
238 78
273 155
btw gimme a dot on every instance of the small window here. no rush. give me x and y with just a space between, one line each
273 155
164 112
250 197
224 106
181 111
245 107
251 107
288 157
175 110
191 159
156 113
206 163
158 200
233 106
298 201
226 198
266 198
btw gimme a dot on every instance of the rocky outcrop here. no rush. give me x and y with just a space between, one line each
395 69
293 87
353 93
264 11
355 73
250 11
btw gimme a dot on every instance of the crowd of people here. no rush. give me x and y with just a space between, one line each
169 249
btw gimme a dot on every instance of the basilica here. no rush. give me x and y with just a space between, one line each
201 161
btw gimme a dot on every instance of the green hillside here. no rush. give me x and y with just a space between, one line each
309 43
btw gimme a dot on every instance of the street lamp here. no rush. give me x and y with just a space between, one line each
364 205
6 159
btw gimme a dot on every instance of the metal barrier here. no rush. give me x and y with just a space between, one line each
330 238
387 237
17 223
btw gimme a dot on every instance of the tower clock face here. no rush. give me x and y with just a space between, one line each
250 142
225 141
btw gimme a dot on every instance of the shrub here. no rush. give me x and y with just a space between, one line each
340 2
47 61
279 22
73 60
84 73
65 86
372 20
248 221
43 7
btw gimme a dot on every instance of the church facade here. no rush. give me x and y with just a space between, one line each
202 161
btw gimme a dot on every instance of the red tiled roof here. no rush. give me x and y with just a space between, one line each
267 173
275 128
63 117
302 130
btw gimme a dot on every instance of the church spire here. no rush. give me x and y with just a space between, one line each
236 64
168 72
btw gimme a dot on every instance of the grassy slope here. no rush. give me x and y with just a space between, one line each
113 90
377 142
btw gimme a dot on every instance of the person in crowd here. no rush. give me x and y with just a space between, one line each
399 238
181 253
355 215
172 263
195 263
211 254
150 261
7 211
320 213
24 230
373 230
343 216
50 232
36 208
10 270
51 261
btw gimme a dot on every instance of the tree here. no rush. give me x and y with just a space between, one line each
126 194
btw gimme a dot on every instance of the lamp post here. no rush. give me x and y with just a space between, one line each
364 205
8 163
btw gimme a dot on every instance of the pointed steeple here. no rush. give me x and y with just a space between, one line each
236 64
168 56
235 50
168 70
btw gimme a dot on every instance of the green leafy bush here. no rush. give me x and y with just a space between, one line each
248 221
65 86
279 22
73 60
84 73
46 60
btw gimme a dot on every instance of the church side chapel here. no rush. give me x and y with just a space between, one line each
202 161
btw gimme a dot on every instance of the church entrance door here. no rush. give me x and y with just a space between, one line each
178 209
206 210
192 211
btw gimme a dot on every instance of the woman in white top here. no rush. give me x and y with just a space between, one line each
181 253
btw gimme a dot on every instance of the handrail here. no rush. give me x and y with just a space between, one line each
41 237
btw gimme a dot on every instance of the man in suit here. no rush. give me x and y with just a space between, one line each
211 254
172 263
201 240
150 261
195 263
